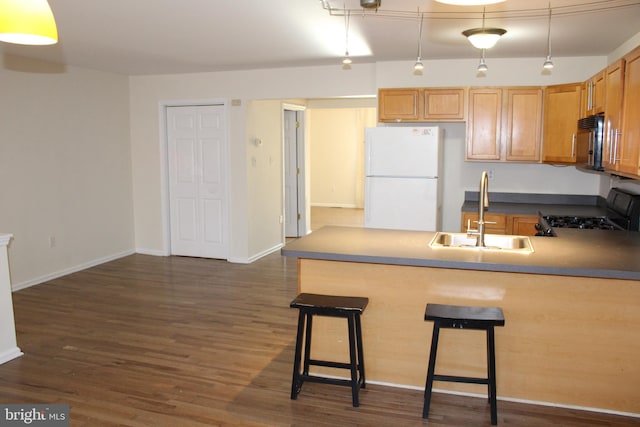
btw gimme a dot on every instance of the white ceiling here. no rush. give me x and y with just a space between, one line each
180 36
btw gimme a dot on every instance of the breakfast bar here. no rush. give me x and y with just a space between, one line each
572 332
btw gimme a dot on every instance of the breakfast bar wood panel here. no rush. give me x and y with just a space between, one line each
567 340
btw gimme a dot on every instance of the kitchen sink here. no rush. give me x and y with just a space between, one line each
493 242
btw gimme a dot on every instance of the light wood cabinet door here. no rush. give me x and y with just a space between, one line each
500 220
444 104
561 114
398 105
419 105
523 125
594 95
484 122
524 225
613 115
519 225
630 137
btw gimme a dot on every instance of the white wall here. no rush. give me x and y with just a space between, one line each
65 168
337 155
264 175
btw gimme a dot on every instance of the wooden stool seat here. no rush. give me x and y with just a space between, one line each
351 308
463 317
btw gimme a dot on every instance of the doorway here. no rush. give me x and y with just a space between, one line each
295 206
197 175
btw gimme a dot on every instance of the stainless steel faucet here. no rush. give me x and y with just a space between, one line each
483 203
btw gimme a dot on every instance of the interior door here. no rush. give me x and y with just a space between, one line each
197 181
294 224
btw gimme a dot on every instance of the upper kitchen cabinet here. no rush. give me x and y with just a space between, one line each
398 105
594 95
484 124
421 105
629 151
523 125
614 80
504 124
562 110
443 104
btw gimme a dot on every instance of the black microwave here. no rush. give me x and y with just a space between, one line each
590 142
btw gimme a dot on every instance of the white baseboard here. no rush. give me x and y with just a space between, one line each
152 252
10 354
257 256
74 269
508 399
333 205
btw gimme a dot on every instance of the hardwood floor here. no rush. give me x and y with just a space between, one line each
175 341
350 217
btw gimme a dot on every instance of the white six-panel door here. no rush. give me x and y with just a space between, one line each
197 181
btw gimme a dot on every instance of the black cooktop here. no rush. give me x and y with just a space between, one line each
582 222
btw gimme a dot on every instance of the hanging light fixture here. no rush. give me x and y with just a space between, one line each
370 4
29 22
419 66
346 62
482 67
548 63
484 38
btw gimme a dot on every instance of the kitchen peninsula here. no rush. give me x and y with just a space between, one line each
572 333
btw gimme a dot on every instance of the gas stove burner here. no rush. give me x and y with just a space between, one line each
586 223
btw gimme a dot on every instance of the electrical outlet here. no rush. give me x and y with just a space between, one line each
52 241
490 174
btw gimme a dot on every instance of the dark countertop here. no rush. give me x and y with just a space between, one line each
584 253
531 204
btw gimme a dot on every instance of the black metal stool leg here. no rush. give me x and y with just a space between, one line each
307 344
295 380
491 360
360 352
353 360
431 369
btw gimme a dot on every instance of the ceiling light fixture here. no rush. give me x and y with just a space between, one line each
419 66
484 38
482 67
370 4
470 2
29 22
346 62
548 63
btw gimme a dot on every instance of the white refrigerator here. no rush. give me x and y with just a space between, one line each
403 183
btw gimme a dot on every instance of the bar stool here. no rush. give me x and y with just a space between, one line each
333 306
462 317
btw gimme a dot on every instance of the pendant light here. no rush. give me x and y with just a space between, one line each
419 66
482 67
484 38
346 62
29 22
370 4
548 63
